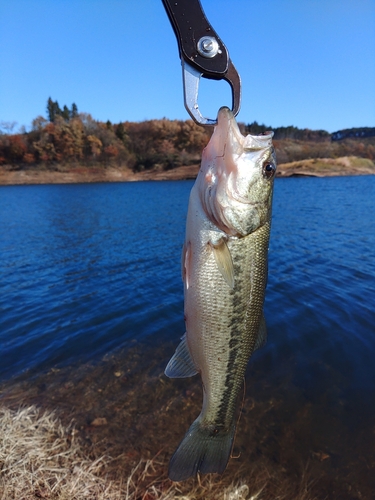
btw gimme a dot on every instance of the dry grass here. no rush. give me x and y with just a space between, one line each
39 458
42 459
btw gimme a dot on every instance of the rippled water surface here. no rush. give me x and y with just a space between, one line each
87 269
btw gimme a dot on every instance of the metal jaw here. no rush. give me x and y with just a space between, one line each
191 78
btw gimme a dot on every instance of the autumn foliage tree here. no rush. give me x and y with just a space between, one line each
68 137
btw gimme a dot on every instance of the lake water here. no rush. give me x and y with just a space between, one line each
87 269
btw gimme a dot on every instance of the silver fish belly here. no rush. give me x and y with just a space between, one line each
224 267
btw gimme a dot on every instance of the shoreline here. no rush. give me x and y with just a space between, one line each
116 422
109 428
319 167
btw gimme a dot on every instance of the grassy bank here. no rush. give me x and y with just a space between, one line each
40 458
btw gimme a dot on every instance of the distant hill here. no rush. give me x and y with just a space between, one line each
306 134
290 132
353 132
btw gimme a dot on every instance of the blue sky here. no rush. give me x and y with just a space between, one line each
308 63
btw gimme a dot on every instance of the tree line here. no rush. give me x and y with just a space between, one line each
68 137
290 132
353 132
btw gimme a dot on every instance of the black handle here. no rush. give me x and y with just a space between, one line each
190 25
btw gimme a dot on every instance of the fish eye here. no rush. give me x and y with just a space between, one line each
269 169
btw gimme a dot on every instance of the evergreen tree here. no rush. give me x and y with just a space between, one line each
53 109
65 113
50 110
74 111
120 132
256 129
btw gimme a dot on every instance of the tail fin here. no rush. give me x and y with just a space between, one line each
202 450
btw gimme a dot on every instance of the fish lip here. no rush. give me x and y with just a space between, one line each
225 110
248 142
225 114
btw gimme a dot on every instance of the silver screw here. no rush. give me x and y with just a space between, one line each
208 46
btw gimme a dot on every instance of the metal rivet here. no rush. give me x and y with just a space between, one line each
208 46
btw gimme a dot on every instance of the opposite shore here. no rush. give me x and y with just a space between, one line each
318 167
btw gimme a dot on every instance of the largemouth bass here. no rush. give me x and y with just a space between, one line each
224 266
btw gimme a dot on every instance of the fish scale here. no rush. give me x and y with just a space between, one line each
246 306
225 276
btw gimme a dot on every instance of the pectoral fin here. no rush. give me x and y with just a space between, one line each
262 335
186 264
224 261
181 364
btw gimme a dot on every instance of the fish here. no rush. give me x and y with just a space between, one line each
224 270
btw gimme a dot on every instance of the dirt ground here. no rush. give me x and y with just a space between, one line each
321 167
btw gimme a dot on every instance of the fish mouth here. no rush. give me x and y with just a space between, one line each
231 169
226 120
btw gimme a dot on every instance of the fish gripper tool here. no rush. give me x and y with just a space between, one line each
202 53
